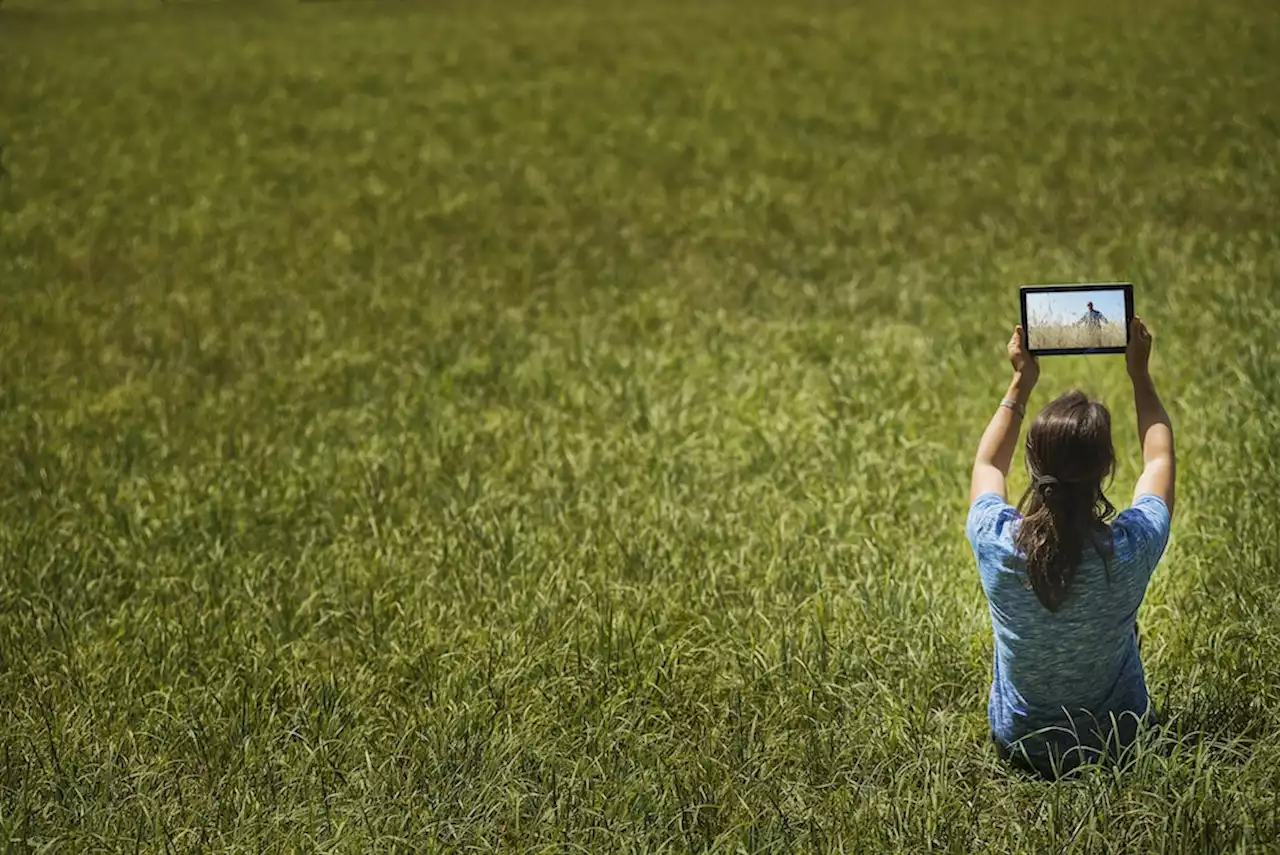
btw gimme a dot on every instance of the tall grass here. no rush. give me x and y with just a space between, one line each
1048 332
480 426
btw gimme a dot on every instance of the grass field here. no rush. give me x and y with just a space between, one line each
546 426
1047 334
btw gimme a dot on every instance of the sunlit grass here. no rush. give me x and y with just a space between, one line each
1048 335
547 426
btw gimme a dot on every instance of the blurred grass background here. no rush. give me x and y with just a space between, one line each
547 426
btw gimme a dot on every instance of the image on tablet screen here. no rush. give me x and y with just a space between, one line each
1061 319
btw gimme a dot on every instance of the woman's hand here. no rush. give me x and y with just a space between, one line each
1137 355
1022 360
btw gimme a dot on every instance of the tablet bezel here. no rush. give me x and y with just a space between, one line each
1126 287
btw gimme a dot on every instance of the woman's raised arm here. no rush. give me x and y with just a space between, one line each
995 449
1155 431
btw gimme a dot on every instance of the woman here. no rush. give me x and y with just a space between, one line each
1063 585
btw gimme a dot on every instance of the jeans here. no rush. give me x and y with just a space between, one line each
1061 762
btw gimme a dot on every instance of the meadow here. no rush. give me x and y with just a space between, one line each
1053 333
546 426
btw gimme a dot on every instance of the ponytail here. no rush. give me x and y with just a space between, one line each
1069 455
1059 519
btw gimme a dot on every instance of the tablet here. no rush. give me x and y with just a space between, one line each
1088 318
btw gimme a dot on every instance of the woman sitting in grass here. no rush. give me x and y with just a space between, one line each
1063 586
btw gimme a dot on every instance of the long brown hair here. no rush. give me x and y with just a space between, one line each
1069 455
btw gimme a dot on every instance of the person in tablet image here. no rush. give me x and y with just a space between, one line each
1092 318
1063 574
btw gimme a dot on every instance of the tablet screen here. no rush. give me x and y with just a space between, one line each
1077 318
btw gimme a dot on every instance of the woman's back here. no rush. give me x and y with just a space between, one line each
1048 666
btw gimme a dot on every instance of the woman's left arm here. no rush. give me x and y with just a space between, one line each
995 449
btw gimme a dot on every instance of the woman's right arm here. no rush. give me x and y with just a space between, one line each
1155 431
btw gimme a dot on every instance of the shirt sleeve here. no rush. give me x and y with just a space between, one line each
1146 527
987 517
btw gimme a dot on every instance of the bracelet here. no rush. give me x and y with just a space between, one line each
1015 406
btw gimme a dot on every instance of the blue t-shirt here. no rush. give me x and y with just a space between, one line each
1076 669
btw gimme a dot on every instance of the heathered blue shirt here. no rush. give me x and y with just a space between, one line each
1049 667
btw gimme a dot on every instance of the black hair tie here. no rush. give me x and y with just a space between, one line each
1043 482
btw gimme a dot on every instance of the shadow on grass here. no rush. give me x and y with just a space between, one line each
1230 724
1225 727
